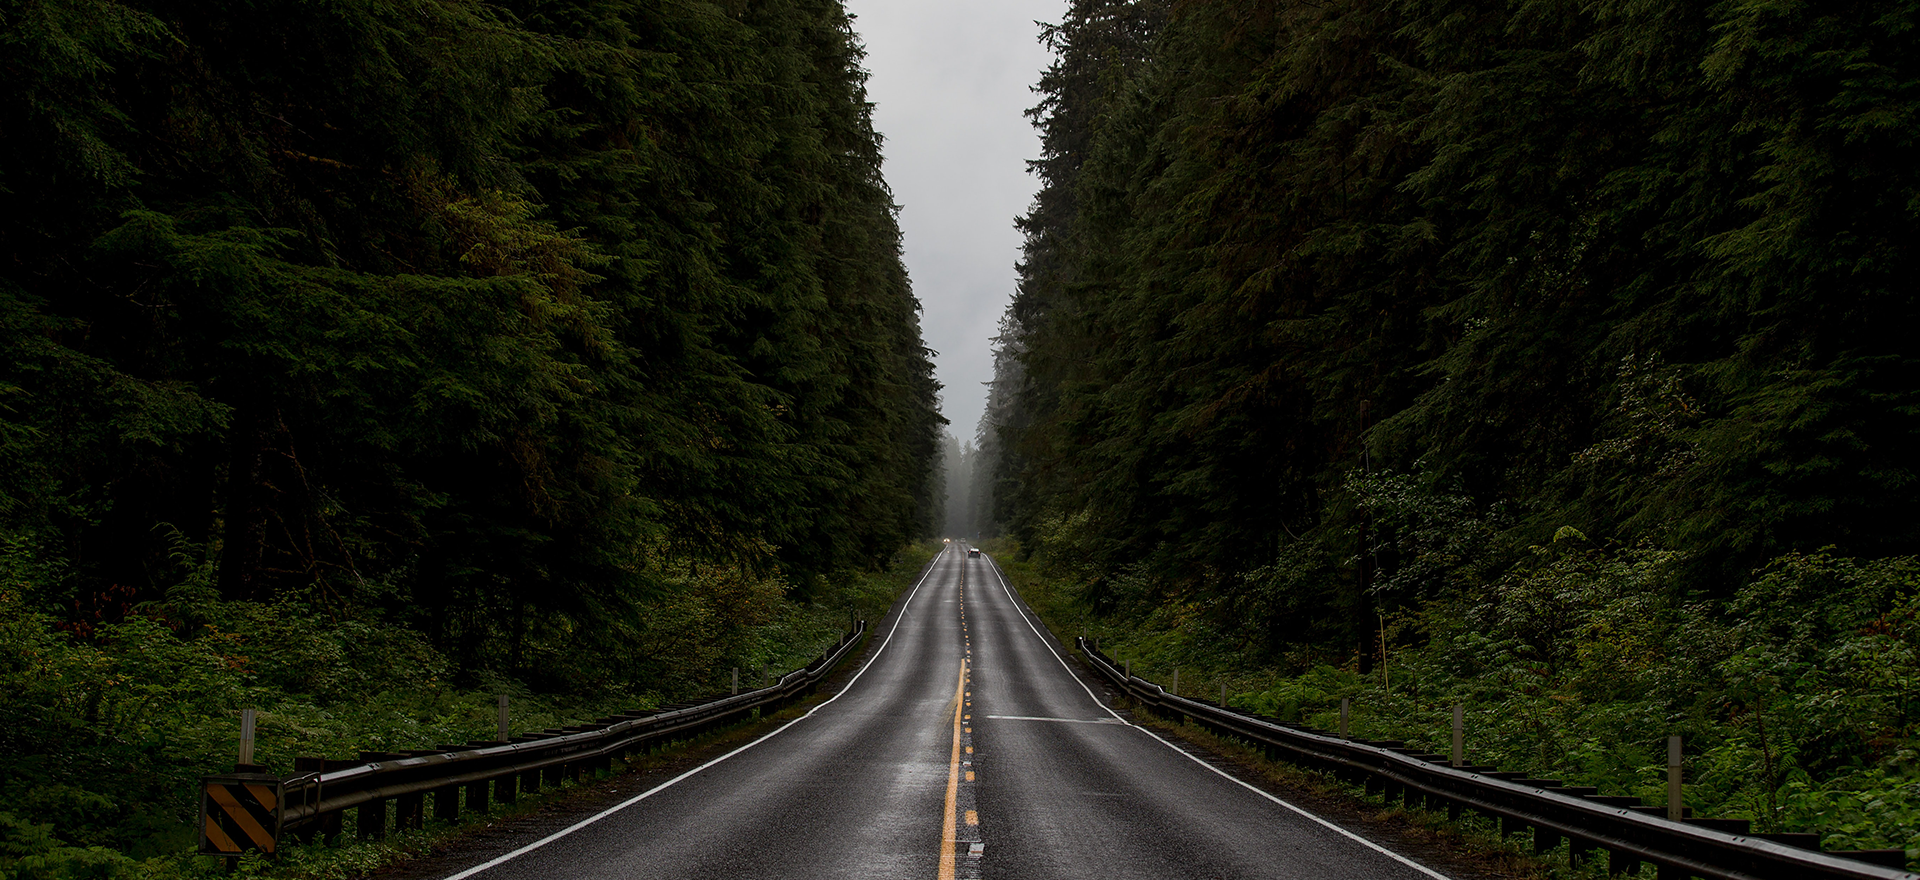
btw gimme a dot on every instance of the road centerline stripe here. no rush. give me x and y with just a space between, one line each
947 830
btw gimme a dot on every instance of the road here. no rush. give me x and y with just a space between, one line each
965 747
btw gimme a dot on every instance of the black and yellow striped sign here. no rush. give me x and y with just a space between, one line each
239 813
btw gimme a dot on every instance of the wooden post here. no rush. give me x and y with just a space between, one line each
372 820
1459 735
736 681
1176 682
446 803
409 811
1676 809
246 736
477 796
1386 677
1223 695
504 730
1345 703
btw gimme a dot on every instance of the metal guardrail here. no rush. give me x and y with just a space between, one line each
245 811
1719 849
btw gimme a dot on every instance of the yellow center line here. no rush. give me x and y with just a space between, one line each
947 831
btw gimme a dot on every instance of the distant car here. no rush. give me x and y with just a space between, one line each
973 551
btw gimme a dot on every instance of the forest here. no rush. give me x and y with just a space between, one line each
362 360
1555 358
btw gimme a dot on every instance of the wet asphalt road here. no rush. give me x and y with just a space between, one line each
965 748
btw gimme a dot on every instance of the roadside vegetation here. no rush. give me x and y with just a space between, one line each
1796 699
107 736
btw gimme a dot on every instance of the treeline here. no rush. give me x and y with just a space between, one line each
1552 359
362 361
496 319
1329 310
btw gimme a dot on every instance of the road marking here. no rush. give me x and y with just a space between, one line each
947 831
1057 720
1189 756
871 662
973 817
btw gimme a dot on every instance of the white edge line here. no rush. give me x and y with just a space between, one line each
1195 759
670 783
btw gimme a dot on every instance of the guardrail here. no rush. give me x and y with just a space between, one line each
255 810
1719 849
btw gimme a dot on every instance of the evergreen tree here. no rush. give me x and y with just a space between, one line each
490 316
1629 268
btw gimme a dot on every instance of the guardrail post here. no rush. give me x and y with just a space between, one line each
371 820
1578 851
506 788
1459 735
446 803
409 811
477 796
1675 803
1345 703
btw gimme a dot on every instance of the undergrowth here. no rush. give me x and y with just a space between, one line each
104 734
1798 700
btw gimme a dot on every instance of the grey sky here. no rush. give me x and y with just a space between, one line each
949 83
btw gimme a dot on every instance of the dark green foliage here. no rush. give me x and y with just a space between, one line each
1334 314
565 345
1642 269
479 314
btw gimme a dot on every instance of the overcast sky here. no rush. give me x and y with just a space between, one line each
950 81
